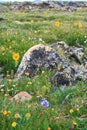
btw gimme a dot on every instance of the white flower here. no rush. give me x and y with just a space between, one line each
40 40
85 41
85 36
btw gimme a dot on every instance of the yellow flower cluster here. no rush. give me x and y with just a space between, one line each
78 24
5 112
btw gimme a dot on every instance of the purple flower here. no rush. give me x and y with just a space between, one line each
44 103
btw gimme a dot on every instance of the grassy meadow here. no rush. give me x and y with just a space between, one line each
67 109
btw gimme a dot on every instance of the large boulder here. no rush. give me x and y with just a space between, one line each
68 63
37 58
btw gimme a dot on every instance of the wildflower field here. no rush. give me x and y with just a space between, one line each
51 108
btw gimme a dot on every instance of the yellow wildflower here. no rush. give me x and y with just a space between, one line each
10 80
71 111
6 95
3 54
8 75
49 128
22 40
9 112
80 25
43 71
16 56
29 83
16 116
52 109
77 109
75 24
32 21
74 123
57 23
10 47
14 124
2 48
29 106
5 112
45 12
27 115
16 33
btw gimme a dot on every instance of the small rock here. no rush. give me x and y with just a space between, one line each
1 19
22 96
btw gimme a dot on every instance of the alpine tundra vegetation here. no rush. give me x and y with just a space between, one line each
43 66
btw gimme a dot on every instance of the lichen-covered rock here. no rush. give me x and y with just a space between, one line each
64 76
68 63
61 45
37 58
69 75
74 68
76 53
71 53
81 73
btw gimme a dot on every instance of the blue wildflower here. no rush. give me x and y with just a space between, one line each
55 88
44 103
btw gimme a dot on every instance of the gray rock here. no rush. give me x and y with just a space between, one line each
75 4
38 5
1 19
64 76
81 73
73 69
69 75
76 53
69 52
59 45
37 58
66 61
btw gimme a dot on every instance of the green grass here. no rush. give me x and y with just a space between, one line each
18 32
